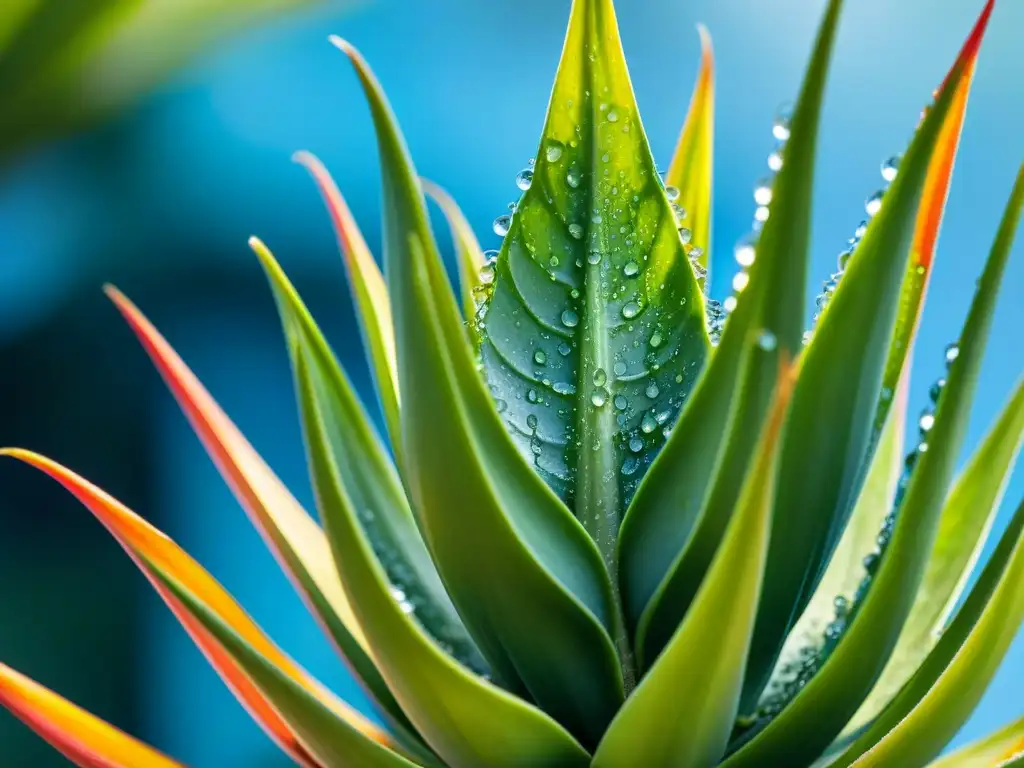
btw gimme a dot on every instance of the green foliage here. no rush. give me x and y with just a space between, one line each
610 531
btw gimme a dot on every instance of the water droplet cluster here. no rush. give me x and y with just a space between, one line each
792 677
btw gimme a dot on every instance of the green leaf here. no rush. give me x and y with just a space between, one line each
826 702
328 738
594 333
551 631
1001 749
682 508
846 568
966 520
369 297
467 720
690 171
682 712
938 699
468 253
368 477
836 414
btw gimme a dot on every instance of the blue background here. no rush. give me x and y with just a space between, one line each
161 202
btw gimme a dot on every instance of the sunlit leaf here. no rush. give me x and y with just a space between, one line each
999 750
551 632
691 169
594 333
369 295
682 713
81 737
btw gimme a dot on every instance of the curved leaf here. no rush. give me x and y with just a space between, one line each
690 171
329 739
369 295
468 253
518 532
826 702
997 749
683 506
594 333
466 719
832 424
296 540
683 710
368 477
966 519
938 699
846 568
82 738
156 554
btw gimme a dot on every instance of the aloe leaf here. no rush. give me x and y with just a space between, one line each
469 255
329 739
690 171
825 702
519 532
368 476
295 539
157 556
999 749
466 719
966 520
369 295
82 738
938 699
594 331
846 568
833 423
682 712
682 507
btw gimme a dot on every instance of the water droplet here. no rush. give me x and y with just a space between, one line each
686 235
766 340
874 203
729 304
844 258
762 213
890 168
745 253
600 377
861 230
871 562
775 161
539 357
531 421
570 319
630 310
619 369
572 177
613 116
553 152
780 128
631 269
564 388
952 352
621 402
763 192
842 605
491 256
629 465
531 395
936 391
576 230
927 421
652 390
922 447
740 280
599 396
656 339
648 423
524 179
672 193
502 224
636 445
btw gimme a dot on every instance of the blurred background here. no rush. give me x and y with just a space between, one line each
158 190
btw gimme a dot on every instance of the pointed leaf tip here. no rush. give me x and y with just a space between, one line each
78 735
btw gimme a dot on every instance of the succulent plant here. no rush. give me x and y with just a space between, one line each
614 523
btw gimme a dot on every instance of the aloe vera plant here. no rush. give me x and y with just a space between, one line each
613 522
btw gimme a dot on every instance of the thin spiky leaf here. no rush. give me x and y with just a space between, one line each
1001 749
81 737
